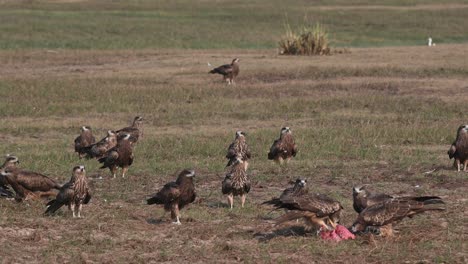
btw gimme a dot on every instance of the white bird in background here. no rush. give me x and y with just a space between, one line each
430 43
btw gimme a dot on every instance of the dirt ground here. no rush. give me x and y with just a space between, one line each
418 92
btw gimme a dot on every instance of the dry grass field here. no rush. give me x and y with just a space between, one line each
385 116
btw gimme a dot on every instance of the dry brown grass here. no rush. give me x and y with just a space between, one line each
382 116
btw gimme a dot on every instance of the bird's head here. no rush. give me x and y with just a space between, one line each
357 228
285 130
79 170
126 137
5 173
359 189
240 133
10 159
463 129
85 128
111 133
300 182
235 60
189 173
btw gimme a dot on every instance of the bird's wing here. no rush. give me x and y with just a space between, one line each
169 192
275 149
231 153
226 186
319 204
224 69
452 150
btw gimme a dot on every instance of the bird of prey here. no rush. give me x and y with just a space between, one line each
362 198
459 148
284 148
85 139
74 194
176 195
9 164
229 71
29 184
97 150
319 211
382 216
299 188
119 156
236 182
135 130
237 148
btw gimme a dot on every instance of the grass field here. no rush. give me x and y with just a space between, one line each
384 115
258 24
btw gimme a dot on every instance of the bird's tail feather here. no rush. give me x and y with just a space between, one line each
52 207
212 71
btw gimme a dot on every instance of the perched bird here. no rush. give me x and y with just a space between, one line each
176 195
362 198
135 130
85 139
384 215
236 182
459 148
97 150
75 193
284 148
319 211
237 148
299 188
229 71
27 183
9 164
118 156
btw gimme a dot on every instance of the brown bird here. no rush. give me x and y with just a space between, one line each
176 195
382 216
229 71
135 130
74 194
284 148
29 184
9 164
236 182
459 148
237 148
362 198
85 139
298 189
119 156
319 211
97 150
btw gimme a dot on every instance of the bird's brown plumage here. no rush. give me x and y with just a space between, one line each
9 164
385 214
238 148
459 148
318 210
27 183
84 140
284 148
362 198
176 195
135 130
74 194
97 150
229 71
299 188
236 182
121 156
